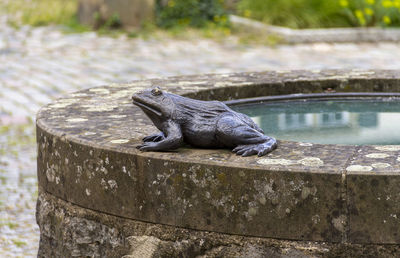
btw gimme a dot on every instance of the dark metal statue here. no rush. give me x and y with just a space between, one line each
207 124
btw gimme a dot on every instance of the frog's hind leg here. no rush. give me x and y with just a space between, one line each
245 140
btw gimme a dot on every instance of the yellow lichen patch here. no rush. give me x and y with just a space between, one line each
100 90
76 120
377 155
223 75
188 83
119 141
252 211
62 103
102 108
359 168
141 84
79 94
284 162
339 223
307 191
388 148
262 200
117 116
337 77
311 162
381 165
121 94
224 84
221 177
360 72
307 161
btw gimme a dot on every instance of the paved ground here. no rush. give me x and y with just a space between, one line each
40 64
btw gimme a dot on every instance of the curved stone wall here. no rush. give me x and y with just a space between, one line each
327 35
301 191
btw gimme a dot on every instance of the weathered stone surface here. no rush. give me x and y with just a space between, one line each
131 13
301 191
102 235
374 195
166 188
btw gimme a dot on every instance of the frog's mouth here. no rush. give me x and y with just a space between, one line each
147 107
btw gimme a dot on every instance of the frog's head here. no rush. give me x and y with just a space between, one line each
156 103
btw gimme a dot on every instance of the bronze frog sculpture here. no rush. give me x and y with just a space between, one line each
207 124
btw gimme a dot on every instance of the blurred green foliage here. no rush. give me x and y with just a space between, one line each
170 14
323 14
384 13
195 13
294 13
40 12
212 14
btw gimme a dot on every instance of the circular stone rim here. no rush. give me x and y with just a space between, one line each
313 96
343 176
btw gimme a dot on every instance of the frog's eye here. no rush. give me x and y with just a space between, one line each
156 91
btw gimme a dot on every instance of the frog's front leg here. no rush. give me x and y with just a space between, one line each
172 139
245 140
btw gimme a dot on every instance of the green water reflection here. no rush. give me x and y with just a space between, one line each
356 121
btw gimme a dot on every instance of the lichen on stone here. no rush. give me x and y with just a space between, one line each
381 165
117 116
228 83
268 161
100 90
99 108
307 161
377 155
388 148
359 168
76 120
119 141
311 162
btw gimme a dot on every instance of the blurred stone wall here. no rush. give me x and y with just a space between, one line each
130 13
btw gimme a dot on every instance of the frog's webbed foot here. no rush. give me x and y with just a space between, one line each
165 145
259 148
154 137
148 146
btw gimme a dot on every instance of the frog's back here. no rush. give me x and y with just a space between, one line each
205 114
192 108
199 119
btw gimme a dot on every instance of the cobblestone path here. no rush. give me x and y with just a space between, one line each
40 64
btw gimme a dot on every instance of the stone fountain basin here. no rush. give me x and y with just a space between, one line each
301 191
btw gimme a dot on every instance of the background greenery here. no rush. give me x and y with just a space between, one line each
172 14
294 13
323 13
194 13
40 12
